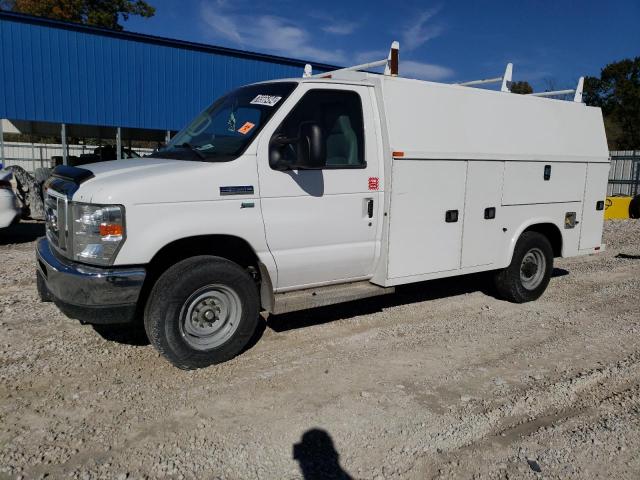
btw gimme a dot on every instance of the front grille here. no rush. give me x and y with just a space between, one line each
55 211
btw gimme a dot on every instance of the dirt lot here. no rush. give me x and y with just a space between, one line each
439 380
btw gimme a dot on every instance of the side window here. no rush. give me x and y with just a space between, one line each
339 115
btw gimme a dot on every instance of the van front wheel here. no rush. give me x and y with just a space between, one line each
528 275
201 311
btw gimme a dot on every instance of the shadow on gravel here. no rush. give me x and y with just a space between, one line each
22 233
134 334
627 256
406 294
126 334
318 457
559 272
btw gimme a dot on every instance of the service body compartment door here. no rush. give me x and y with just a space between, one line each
592 218
543 182
421 237
482 233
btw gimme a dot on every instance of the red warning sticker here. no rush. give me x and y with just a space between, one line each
374 183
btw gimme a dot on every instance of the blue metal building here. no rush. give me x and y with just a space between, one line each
54 73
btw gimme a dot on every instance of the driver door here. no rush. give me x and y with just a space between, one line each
322 225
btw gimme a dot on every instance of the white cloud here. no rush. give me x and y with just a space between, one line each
421 30
424 71
223 25
267 32
340 28
408 68
333 24
284 36
370 56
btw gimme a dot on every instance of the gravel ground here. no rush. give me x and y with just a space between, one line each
438 380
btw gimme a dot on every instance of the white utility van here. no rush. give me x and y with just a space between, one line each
304 192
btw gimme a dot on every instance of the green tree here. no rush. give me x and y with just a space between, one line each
521 87
617 93
101 13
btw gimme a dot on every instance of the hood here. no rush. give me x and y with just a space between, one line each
154 180
117 167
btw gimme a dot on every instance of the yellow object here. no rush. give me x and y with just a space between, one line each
616 207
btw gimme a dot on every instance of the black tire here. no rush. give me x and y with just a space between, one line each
634 207
174 302
525 281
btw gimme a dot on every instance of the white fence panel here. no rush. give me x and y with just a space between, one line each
624 174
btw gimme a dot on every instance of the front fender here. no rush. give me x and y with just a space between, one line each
150 227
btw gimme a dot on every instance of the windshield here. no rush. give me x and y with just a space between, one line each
225 129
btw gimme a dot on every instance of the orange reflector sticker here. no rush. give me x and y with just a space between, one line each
398 154
246 128
110 229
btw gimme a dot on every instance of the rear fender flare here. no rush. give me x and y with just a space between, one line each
522 228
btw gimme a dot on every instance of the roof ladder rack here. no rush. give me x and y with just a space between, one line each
577 97
390 65
504 79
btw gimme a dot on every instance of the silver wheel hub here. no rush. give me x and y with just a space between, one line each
210 316
532 269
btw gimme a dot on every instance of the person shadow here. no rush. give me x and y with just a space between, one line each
318 457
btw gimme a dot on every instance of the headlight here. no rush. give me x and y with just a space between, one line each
98 232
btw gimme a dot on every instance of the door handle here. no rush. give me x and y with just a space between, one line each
370 208
451 216
490 213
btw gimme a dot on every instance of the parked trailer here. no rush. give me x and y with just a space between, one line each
304 192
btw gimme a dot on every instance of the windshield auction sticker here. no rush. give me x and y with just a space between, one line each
267 100
246 128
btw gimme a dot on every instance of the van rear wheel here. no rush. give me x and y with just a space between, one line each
528 275
201 311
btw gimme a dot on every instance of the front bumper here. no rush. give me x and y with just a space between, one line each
89 294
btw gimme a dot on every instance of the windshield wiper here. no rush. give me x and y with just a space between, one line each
194 150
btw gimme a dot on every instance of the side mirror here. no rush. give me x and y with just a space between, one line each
309 146
276 144
311 149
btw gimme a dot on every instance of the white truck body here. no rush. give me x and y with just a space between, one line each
464 149
451 178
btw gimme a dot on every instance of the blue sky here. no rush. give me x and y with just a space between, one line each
551 43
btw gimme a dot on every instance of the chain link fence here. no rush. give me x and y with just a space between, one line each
38 155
